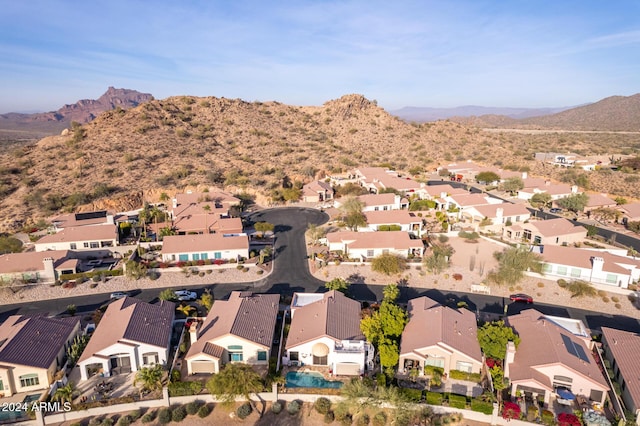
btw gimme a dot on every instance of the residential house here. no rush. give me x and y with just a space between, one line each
630 212
497 215
460 203
402 220
376 179
240 329
599 201
132 334
317 192
206 223
551 357
33 266
95 241
325 332
184 248
379 202
74 220
557 231
621 348
534 186
204 212
220 200
600 267
32 350
439 336
367 245
557 159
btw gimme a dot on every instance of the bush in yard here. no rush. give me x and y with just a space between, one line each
204 411
148 417
329 417
413 395
532 413
193 407
244 410
178 414
135 415
548 418
124 421
389 264
294 407
276 407
341 411
511 410
480 406
363 420
567 419
457 401
322 405
347 419
107 422
434 398
164 416
380 419
95 421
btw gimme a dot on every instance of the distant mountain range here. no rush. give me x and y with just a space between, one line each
615 113
15 125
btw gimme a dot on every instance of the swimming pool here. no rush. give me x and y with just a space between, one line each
13 416
310 379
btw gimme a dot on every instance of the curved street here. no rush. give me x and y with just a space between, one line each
291 273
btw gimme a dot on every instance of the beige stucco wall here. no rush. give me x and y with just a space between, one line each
451 358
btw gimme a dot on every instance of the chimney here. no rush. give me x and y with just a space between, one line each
596 265
499 214
547 182
574 189
509 358
193 332
174 202
49 271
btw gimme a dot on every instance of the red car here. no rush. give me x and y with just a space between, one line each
520 297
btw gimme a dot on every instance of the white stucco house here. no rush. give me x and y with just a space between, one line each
182 248
367 245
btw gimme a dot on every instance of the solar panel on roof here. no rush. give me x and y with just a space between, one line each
581 353
91 215
569 345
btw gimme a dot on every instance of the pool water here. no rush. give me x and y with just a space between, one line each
12 416
310 379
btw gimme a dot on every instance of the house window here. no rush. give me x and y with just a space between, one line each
217 255
546 268
294 356
385 208
464 366
106 243
262 355
29 380
562 270
526 234
595 395
376 208
235 353
196 256
204 256
94 244
611 278
369 253
435 361
183 257
150 358
537 239
575 273
85 245
320 360
73 246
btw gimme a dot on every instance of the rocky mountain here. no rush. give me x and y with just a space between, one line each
27 126
263 148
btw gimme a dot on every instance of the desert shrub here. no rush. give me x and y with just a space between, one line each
164 416
481 406
192 407
605 299
389 264
532 413
562 283
178 414
107 422
347 420
135 415
540 284
615 299
434 398
204 411
329 417
294 407
322 405
184 388
363 420
414 395
380 419
244 410
276 407
602 293
95 421
548 418
341 411
457 401
618 306
148 417
124 421
579 288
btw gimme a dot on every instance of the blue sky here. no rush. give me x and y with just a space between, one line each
402 53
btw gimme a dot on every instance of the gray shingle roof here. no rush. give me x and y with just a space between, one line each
34 341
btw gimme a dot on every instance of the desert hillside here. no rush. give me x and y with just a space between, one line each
125 156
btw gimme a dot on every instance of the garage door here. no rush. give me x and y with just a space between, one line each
347 369
202 367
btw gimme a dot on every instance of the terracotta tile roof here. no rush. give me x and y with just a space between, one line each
371 200
34 341
31 261
388 179
399 240
200 222
572 256
432 324
468 200
600 200
81 233
81 219
544 343
508 209
382 217
558 226
203 242
245 315
558 189
317 186
438 190
632 210
334 316
625 347
131 319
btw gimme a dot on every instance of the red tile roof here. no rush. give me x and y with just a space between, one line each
625 347
399 240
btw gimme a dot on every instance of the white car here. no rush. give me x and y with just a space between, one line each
118 295
185 295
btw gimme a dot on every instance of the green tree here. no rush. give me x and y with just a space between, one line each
76 348
438 260
135 270
487 177
541 199
352 215
206 300
10 245
389 264
64 393
390 293
234 380
167 294
149 378
339 284
575 203
166 231
315 232
620 201
606 214
493 338
513 263
513 185
387 323
263 227
389 353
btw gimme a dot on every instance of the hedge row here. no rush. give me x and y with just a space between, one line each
457 401
461 375
184 388
90 274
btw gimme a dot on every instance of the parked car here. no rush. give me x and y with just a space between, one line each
185 295
118 295
521 297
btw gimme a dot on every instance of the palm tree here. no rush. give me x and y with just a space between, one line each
149 378
64 393
235 380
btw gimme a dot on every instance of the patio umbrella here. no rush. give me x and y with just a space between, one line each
565 394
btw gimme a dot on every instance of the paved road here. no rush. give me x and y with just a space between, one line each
291 274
